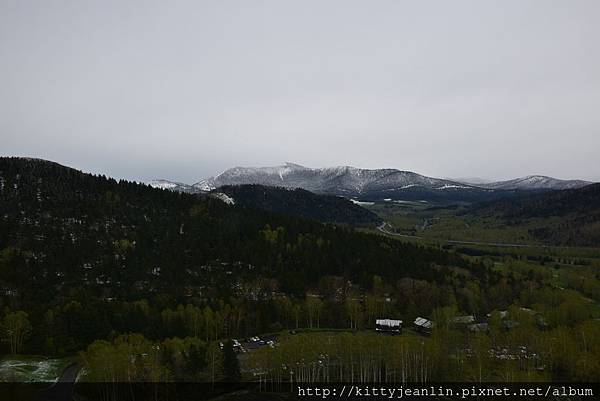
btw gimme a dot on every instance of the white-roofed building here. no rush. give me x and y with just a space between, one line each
423 325
388 325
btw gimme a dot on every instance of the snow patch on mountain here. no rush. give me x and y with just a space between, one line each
452 186
361 203
170 185
205 185
223 197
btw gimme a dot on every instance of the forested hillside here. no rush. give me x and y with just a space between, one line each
301 203
82 248
567 217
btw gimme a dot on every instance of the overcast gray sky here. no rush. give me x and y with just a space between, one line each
185 89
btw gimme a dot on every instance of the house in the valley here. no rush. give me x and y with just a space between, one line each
388 325
423 326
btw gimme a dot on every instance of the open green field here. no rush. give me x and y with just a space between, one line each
420 222
446 223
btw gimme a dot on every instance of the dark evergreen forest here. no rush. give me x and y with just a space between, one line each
300 203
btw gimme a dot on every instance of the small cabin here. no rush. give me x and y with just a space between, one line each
423 325
388 325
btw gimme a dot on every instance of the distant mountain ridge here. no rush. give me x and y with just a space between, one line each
341 180
535 182
372 184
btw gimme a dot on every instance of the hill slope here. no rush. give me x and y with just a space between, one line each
63 229
568 217
87 257
300 203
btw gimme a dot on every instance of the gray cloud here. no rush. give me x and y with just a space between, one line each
184 89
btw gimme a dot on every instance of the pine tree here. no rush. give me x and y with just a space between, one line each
231 365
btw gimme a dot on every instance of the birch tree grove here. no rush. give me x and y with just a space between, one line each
16 329
521 354
360 358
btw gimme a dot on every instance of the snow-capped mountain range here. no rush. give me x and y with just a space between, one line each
343 180
368 184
